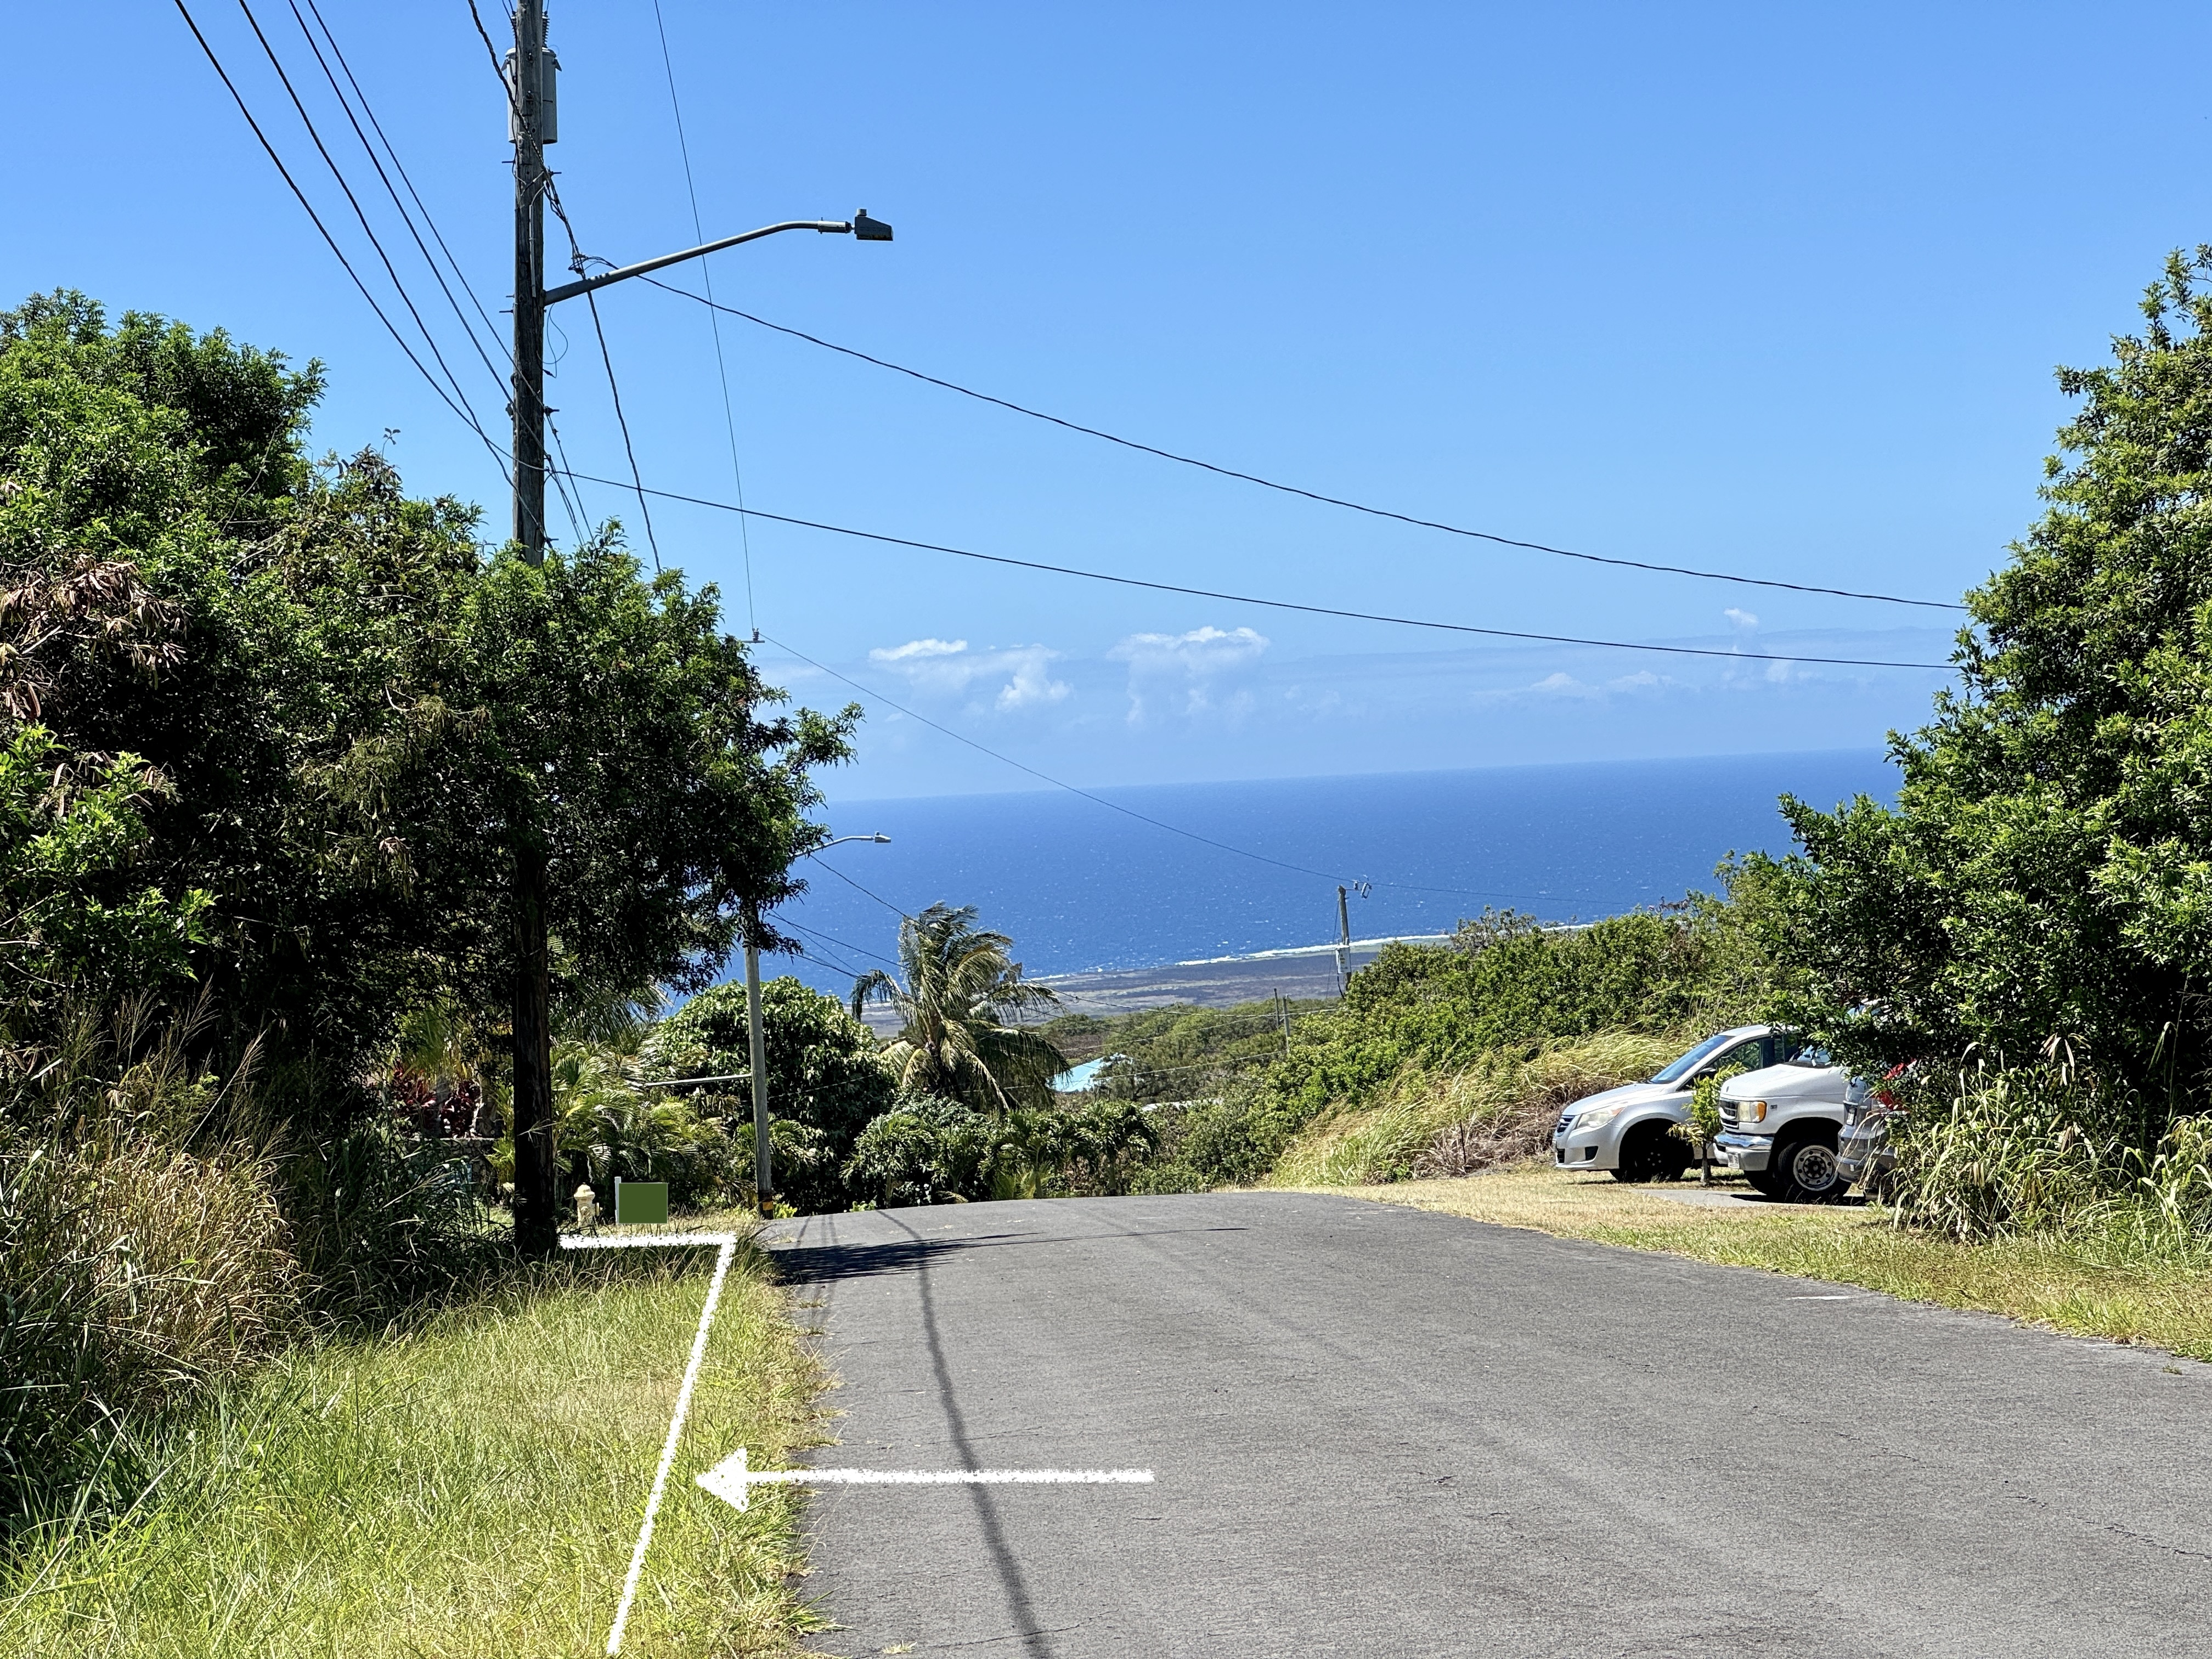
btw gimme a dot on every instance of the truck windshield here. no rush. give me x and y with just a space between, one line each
1689 1062
1811 1054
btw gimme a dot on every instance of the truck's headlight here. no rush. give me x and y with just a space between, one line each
1753 1111
1598 1118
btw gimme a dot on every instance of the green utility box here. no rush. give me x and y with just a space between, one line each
640 1201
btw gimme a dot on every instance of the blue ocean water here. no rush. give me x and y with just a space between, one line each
1081 886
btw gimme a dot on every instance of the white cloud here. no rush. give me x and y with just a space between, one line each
1741 618
1184 670
949 668
914 649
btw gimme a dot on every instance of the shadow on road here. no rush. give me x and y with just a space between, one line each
818 1264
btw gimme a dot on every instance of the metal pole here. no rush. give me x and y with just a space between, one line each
1284 1013
536 1220
763 1167
1344 948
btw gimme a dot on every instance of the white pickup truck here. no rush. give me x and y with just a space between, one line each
1778 1127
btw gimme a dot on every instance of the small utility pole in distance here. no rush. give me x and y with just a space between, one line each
764 1166
1343 947
1283 1013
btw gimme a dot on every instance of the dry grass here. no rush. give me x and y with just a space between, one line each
2084 1288
468 1491
1495 1112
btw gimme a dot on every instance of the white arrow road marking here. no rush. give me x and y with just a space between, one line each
730 1478
726 1252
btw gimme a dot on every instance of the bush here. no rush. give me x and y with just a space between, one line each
1499 1110
133 1275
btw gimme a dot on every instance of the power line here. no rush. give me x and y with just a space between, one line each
367 230
714 319
284 173
826 938
1156 823
1272 605
577 260
421 207
1294 489
855 885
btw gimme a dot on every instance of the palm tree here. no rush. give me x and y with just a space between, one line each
957 1037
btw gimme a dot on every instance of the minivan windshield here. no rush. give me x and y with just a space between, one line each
1696 1056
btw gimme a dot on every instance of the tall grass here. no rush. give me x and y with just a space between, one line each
468 1489
2048 1150
1497 1111
133 1272
163 1229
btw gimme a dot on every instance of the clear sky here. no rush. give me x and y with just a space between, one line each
1770 289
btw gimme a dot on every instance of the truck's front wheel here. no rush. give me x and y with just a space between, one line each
1803 1169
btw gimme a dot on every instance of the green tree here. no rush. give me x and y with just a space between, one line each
956 1007
824 1073
370 728
2046 875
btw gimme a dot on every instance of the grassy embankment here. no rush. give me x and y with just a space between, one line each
2089 1287
470 1490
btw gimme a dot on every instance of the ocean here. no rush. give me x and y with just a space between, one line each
1082 887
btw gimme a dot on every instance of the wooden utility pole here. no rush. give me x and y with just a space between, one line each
536 1212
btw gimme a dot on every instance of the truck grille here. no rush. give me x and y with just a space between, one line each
1729 1115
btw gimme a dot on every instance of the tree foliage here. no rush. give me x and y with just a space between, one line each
958 1003
2045 878
347 718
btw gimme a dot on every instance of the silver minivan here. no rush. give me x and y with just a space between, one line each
1623 1131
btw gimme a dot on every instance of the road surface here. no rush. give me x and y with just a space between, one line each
1379 1431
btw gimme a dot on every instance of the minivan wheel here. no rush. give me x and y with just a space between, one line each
1649 1153
1805 1169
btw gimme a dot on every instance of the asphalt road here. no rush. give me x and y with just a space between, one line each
1378 1432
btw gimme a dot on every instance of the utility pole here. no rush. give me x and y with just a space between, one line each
763 1164
533 122
536 1220
1284 1014
1343 946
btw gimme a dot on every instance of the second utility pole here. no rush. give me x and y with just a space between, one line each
537 1221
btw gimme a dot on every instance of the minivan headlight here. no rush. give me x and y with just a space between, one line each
1598 1117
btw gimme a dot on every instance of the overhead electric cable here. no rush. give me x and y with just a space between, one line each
499 381
1112 806
713 317
1294 489
367 230
826 938
284 173
577 261
1274 604
856 886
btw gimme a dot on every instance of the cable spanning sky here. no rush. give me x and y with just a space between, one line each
1729 289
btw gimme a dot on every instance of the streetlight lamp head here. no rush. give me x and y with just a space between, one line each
865 229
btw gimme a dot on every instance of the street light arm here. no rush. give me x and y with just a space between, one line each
869 230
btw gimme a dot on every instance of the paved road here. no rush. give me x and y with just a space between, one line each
1378 1432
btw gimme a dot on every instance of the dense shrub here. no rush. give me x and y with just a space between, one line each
824 1078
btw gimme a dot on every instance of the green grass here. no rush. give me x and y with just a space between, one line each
2094 1288
471 1489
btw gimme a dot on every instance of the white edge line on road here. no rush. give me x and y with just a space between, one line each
725 1253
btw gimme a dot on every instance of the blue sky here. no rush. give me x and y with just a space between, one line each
1776 290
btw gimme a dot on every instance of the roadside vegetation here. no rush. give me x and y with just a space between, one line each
469 1487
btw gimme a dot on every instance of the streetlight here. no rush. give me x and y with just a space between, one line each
764 1168
531 100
